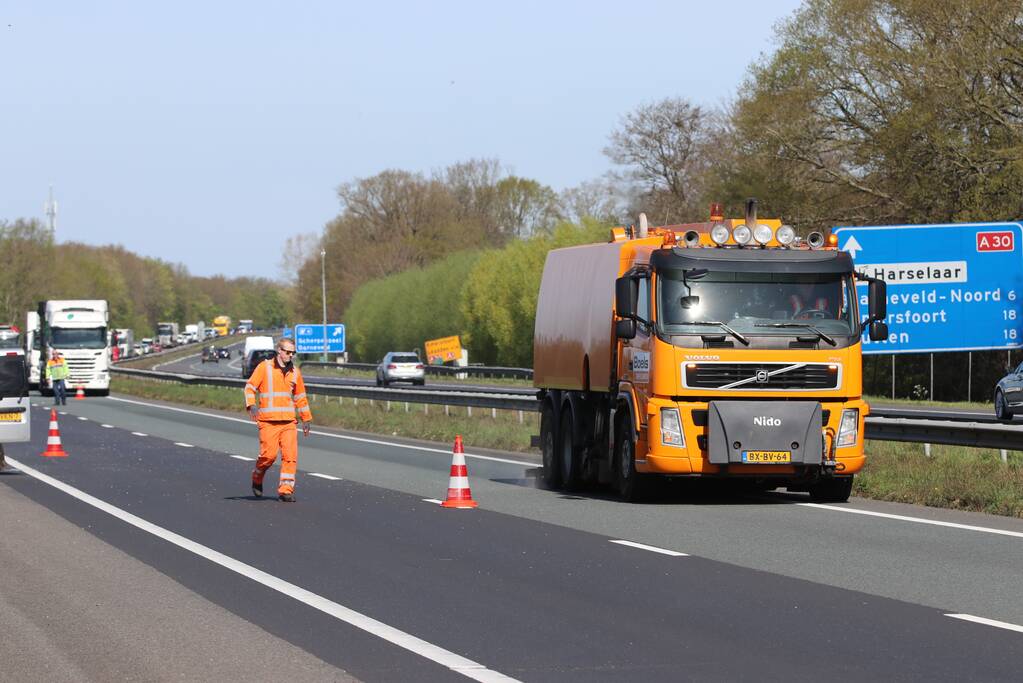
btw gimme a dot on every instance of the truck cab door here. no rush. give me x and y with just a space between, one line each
636 351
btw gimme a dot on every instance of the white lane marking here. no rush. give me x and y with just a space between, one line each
83 419
324 476
183 445
139 434
653 549
107 426
917 520
407 641
62 412
242 457
433 500
988 622
328 434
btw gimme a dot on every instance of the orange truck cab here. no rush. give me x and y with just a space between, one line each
727 349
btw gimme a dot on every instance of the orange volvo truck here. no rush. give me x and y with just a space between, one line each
723 349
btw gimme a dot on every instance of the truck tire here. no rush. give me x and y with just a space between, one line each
549 448
835 490
570 453
631 485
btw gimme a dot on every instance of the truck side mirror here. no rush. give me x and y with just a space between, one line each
877 300
878 331
626 329
626 297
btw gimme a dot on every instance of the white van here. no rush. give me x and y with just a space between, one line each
15 416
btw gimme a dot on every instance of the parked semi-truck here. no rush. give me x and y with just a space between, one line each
167 334
78 329
724 349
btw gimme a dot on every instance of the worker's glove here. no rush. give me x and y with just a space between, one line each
253 411
306 427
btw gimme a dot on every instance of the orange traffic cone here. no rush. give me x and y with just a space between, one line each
53 447
80 394
459 495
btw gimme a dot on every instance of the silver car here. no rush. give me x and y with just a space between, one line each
398 366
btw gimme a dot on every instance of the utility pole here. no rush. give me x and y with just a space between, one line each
323 284
51 212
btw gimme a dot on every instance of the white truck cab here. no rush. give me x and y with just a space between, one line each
78 329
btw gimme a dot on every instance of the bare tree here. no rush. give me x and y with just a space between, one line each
598 198
663 147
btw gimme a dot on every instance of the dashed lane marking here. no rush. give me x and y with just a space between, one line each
83 419
328 434
183 445
916 520
242 457
324 476
433 500
107 426
653 549
988 622
406 641
138 434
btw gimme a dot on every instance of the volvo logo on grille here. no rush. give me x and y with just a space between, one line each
762 376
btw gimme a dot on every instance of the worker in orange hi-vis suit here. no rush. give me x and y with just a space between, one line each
281 391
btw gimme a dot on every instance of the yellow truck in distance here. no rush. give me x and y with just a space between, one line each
723 349
222 325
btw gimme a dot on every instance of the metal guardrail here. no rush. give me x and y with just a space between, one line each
878 426
474 399
471 370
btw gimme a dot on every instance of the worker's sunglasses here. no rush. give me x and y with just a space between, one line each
290 352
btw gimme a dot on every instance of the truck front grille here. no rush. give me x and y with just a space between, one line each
762 376
81 370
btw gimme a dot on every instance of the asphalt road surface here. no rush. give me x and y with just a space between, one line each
366 575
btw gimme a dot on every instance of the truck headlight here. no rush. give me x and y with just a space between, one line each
671 428
850 427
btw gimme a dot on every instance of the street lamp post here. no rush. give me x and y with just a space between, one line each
323 285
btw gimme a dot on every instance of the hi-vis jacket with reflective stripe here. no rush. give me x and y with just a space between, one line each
280 393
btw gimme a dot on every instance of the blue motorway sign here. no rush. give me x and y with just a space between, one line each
950 287
309 338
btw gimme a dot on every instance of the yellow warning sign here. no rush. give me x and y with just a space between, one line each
443 349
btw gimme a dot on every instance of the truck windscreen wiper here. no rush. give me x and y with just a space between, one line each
723 326
805 326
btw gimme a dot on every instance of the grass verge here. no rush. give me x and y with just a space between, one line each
952 477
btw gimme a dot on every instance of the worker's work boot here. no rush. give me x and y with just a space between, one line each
286 498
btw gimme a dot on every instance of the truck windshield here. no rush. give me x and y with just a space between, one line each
165 329
10 341
755 303
78 337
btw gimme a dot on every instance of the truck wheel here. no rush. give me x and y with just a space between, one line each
548 448
570 453
834 490
632 486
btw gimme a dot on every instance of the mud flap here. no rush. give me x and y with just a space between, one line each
737 427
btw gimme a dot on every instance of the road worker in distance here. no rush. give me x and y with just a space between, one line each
281 391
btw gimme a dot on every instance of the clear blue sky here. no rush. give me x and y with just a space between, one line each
206 133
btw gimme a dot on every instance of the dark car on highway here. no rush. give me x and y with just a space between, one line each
1009 394
255 358
224 352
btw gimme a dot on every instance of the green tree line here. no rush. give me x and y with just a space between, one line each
141 291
